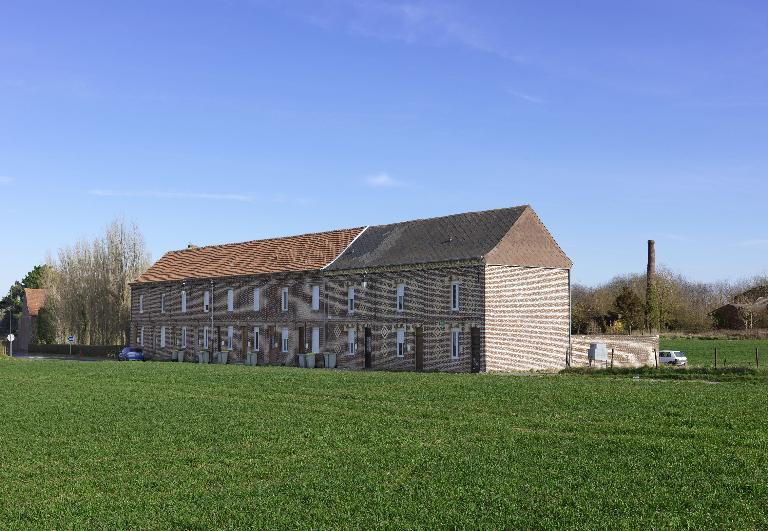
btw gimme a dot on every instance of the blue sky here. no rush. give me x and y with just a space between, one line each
218 121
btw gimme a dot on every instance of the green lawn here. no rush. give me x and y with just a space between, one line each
730 352
159 445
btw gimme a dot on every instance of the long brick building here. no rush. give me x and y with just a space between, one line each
481 291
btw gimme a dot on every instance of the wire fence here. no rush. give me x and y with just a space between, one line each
721 353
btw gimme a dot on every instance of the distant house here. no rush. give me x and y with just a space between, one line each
747 311
33 301
480 291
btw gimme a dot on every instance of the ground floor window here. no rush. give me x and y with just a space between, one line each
401 342
285 340
316 339
205 337
256 339
141 337
230 336
351 341
183 337
455 342
162 337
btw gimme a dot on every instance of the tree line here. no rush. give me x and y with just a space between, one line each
620 306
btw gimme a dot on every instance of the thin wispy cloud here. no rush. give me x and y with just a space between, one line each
754 243
526 97
383 180
173 195
5 179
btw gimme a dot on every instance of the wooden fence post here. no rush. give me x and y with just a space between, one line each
757 357
715 357
656 358
612 357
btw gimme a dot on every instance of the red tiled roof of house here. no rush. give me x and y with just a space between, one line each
35 299
276 255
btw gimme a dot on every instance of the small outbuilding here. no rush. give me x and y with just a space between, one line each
32 303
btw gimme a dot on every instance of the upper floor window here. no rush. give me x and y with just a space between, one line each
162 303
315 298
400 297
455 342
351 299
454 295
183 302
351 341
400 342
230 300
285 340
284 299
141 303
256 299
206 301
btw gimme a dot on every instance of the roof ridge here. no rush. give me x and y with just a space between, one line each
454 215
220 245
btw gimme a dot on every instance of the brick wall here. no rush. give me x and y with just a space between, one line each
629 351
527 318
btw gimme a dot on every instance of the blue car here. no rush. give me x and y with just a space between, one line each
131 354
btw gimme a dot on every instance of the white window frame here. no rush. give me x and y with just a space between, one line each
205 337
141 337
162 337
285 337
230 300
455 343
183 337
162 303
230 337
284 299
256 338
455 294
401 342
183 301
315 298
141 303
256 299
351 341
316 339
206 301
351 299
400 302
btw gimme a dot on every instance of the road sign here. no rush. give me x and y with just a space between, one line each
10 337
70 339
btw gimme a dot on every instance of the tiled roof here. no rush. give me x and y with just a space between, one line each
469 236
35 299
292 253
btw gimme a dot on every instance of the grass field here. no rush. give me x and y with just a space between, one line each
730 352
159 445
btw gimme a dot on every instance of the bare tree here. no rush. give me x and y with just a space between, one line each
87 285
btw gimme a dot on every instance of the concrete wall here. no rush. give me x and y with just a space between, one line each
630 351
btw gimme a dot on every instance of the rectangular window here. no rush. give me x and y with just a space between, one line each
316 339
206 301
351 341
455 343
454 296
205 337
285 340
315 298
141 303
230 337
183 302
162 337
141 337
351 299
256 339
256 299
230 300
162 303
400 297
183 337
284 299
401 342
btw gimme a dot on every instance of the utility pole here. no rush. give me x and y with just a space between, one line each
651 294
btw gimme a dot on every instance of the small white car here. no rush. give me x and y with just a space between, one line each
673 357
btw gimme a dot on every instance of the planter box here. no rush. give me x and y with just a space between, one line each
330 360
302 360
251 358
222 357
310 361
203 357
180 356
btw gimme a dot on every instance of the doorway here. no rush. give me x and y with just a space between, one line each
419 348
475 337
368 348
